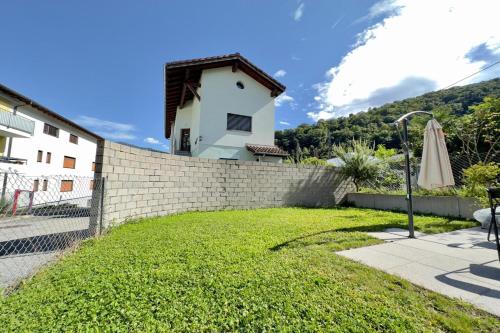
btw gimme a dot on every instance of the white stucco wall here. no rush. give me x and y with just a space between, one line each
220 96
188 117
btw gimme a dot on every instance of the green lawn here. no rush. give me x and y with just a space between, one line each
260 270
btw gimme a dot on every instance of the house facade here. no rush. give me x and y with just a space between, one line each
221 108
53 156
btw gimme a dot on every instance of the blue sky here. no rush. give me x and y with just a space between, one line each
100 62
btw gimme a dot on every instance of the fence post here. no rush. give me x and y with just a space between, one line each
101 210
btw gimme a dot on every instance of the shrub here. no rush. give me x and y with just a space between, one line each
360 163
479 177
313 161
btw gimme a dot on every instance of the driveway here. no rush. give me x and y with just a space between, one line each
459 264
29 242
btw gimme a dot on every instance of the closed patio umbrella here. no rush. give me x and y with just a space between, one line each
435 169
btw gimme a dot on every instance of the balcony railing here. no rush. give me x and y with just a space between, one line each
13 160
17 122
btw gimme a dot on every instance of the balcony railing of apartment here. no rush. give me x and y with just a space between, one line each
13 160
17 122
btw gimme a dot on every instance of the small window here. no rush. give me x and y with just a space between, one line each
39 156
239 123
48 157
66 186
73 139
45 185
240 85
93 166
69 162
36 183
51 130
92 185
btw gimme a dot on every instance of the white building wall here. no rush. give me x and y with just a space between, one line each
219 96
183 119
27 148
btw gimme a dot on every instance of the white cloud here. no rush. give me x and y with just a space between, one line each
108 129
284 99
419 46
279 73
297 15
284 123
152 141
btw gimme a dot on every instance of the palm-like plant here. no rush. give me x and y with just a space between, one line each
360 163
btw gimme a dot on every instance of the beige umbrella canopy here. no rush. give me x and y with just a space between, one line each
435 169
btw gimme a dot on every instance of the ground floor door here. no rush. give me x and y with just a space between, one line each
185 145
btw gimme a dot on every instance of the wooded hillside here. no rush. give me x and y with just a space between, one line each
376 124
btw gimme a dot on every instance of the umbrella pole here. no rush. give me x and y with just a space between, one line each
409 197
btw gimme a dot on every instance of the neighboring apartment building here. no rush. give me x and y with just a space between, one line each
56 155
222 108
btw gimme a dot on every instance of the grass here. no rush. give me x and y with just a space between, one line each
260 270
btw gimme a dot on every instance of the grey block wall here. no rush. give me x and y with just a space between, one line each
446 206
142 183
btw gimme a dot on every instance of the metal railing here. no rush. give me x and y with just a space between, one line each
41 217
17 122
13 160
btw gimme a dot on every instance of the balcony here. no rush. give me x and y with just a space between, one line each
13 125
13 160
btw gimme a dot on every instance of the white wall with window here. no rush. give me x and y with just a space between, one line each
235 110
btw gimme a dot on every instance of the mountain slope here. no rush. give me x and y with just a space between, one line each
376 124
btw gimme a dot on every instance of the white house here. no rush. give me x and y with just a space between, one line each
222 108
52 156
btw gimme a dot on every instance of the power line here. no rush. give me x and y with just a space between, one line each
465 78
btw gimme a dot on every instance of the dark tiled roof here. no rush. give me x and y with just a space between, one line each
29 102
266 150
179 72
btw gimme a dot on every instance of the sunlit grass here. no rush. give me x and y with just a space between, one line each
269 269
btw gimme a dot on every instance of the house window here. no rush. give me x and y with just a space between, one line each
45 185
92 185
36 183
51 130
73 139
66 186
69 162
93 166
48 157
39 156
238 122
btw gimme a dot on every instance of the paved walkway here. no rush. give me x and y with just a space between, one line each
29 242
458 264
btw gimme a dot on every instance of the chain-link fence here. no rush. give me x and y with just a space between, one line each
391 177
42 216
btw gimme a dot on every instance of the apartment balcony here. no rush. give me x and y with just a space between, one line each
13 125
12 160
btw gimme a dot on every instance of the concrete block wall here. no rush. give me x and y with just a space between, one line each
143 183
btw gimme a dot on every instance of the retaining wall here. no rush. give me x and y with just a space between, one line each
143 183
447 206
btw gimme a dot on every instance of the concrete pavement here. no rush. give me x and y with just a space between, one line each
459 264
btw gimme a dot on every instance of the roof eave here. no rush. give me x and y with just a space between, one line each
29 102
